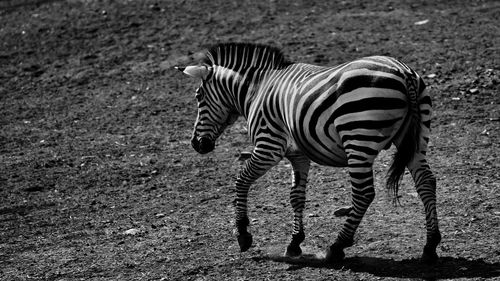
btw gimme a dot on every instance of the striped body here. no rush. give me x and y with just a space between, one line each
328 110
336 116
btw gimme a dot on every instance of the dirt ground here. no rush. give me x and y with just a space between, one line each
98 180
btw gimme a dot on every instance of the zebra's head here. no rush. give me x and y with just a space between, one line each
214 113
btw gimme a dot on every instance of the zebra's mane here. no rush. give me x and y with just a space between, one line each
245 55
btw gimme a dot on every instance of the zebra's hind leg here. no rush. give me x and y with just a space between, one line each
426 188
300 166
425 181
362 193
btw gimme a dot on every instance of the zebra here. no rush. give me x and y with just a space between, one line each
340 116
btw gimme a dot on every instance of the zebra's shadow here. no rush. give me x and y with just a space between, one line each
445 268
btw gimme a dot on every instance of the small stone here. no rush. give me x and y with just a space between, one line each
82 76
474 91
132 231
422 22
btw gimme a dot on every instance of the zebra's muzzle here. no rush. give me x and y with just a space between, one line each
202 145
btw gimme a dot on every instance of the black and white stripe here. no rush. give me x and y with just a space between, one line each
337 116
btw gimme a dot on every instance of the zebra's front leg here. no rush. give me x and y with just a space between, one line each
244 237
254 168
300 166
362 194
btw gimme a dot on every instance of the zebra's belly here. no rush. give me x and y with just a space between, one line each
332 155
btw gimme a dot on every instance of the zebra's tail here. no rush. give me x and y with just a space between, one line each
409 144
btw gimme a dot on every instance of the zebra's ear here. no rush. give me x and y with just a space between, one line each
196 71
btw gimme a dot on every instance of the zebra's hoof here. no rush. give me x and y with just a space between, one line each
429 256
245 241
342 212
293 251
334 255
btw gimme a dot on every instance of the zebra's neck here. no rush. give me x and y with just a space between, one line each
241 86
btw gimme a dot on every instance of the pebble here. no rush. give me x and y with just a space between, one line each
132 231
